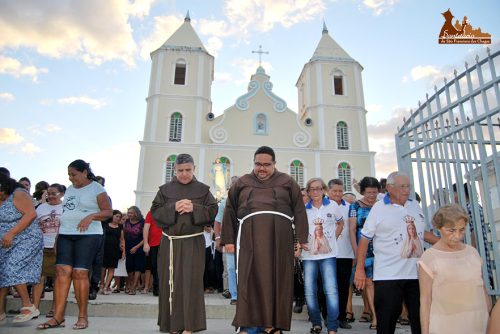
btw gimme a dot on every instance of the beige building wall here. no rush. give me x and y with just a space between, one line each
258 117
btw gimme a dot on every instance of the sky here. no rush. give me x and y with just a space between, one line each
74 74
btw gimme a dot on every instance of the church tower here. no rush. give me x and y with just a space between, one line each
331 101
179 99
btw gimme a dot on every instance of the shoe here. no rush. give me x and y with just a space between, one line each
299 304
404 322
226 294
116 291
92 295
315 329
23 317
233 302
365 317
344 324
373 327
350 317
47 325
81 325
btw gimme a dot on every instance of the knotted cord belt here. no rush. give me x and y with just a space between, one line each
171 238
240 228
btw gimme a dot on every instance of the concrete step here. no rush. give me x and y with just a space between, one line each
146 306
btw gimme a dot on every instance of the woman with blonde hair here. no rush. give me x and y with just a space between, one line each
452 294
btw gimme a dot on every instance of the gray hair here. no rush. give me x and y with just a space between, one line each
316 179
184 158
393 175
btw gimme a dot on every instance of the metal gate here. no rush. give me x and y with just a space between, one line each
449 147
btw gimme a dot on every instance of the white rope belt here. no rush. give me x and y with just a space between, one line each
171 260
240 227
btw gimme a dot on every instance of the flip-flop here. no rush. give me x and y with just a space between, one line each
47 325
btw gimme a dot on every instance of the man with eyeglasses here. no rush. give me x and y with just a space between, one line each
261 209
395 270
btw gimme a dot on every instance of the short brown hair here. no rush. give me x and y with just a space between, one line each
449 215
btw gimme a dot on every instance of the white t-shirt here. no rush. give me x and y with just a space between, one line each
344 247
390 226
78 204
322 225
48 217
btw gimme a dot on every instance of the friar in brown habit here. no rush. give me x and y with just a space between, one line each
265 258
181 209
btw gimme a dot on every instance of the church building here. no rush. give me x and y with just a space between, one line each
327 137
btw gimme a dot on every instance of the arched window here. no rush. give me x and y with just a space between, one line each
342 136
180 73
221 172
297 172
338 85
260 124
344 170
175 133
169 168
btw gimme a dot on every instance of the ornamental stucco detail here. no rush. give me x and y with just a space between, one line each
242 103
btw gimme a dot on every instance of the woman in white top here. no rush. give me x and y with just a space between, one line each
319 255
86 204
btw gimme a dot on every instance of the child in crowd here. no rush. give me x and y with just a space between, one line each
452 294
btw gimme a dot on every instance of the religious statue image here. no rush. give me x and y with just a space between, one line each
412 246
320 244
219 171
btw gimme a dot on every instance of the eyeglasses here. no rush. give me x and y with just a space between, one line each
52 194
401 186
315 189
265 165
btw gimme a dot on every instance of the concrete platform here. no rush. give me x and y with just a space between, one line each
122 313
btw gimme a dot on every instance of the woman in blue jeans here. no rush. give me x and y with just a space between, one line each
319 256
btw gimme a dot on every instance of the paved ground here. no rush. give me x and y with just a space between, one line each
120 313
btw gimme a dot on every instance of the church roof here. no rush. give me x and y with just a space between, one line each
328 49
184 38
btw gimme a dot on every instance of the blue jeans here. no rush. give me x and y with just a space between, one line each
231 275
328 270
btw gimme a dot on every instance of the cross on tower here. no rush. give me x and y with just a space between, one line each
260 52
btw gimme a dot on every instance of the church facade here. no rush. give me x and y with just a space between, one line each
326 138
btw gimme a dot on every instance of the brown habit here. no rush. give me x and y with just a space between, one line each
188 305
265 273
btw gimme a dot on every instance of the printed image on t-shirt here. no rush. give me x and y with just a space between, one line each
412 244
320 244
49 223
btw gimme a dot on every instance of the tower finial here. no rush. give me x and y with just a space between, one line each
187 18
325 29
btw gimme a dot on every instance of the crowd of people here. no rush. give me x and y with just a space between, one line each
281 247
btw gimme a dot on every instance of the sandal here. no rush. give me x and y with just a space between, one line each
23 317
47 325
3 319
349 317
373 327
365 317
50 314
80 325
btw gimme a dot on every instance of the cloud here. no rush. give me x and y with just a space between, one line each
92 30
381 137
247 68
421 72
96 104
373 108
10 136
44 129
30 149
223 77
379 6
8 97
265 14
13 67
164 27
